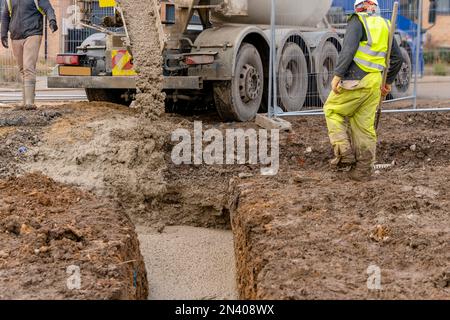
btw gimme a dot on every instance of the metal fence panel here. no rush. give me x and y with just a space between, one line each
74 35
303 62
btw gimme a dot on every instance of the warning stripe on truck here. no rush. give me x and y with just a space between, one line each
121 63
107 3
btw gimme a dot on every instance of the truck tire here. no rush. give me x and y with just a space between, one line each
402 84
240 98
325 64
293 78
108 95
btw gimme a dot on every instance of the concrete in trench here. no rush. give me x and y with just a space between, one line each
189 263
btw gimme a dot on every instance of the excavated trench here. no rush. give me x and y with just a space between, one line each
305 233
306 220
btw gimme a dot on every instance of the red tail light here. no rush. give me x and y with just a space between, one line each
68 60
199 59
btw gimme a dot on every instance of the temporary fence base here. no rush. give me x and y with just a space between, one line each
293 114
266 122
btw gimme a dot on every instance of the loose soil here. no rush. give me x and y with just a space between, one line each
19 131
94 146
46 228
398 221
312 234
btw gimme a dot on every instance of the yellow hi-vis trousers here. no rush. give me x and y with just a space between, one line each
358 105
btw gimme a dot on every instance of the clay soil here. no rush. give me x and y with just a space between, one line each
306 233
47 228
313 234
96 157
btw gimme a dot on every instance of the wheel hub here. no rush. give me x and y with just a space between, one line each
289 79
402 79
325 75
249 84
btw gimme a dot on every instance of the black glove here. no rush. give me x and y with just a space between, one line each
5 42
53 26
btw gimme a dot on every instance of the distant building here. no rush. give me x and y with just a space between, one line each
438 35
67 38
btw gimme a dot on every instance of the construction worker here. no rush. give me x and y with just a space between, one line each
357 89
23 19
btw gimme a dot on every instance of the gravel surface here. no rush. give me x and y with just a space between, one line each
189 263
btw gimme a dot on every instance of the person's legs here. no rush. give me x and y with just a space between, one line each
30 58
337 108
362 125
18 51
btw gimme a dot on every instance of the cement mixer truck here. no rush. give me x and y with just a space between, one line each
216 52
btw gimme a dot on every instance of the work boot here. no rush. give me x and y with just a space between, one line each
30 94
362 172
343 162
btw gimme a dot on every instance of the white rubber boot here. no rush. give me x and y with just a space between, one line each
21 105
30 95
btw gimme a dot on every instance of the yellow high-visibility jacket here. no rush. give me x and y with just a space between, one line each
371 55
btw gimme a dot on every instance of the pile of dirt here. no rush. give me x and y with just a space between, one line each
51 233
101 147
86 147
127 156
95 146
313 234
18 132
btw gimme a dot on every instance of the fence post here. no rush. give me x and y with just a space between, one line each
418 48
272 85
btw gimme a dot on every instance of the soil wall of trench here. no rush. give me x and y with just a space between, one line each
312 234
285 229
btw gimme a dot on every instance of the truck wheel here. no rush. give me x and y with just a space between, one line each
400 87
240 98
118 96
293 78
325 65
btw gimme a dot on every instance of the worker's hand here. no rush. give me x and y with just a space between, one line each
5 42
386 90
53 26
335 84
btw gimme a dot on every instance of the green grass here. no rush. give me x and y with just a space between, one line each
440 69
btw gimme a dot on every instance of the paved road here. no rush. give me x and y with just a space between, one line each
430 87
435 88
57 95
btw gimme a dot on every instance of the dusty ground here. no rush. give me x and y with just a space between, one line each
121 155
96 147
312 234
47 227
86 145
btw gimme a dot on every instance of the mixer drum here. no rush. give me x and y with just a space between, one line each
305 13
